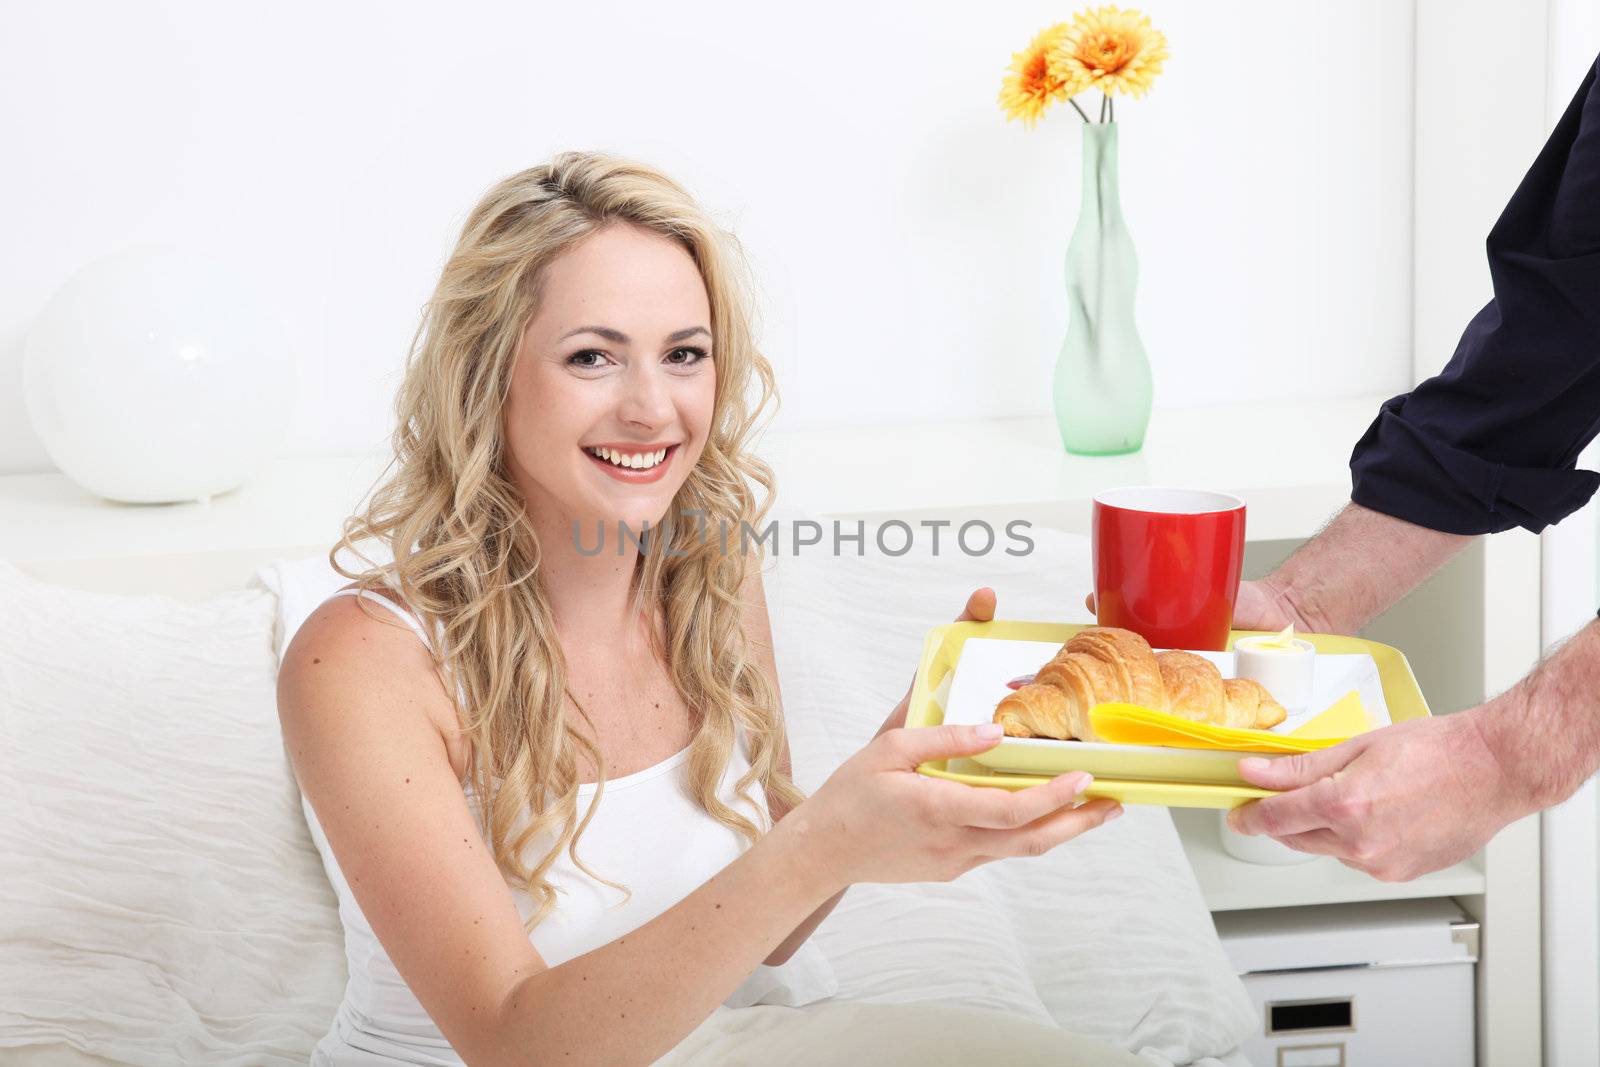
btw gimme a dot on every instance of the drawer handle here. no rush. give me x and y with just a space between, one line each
1312 1056
1304 1016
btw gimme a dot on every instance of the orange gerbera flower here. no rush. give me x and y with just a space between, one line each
1032 83
1109 49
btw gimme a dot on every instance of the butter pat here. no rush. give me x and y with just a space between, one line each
1283 663
1279 642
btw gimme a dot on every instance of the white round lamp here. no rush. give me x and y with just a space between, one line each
152 377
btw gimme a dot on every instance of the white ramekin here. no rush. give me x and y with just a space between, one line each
1287 674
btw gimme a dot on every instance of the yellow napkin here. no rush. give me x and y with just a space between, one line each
1131 724
1344 719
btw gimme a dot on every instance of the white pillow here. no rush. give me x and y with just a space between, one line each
161 898
301 585
1109 932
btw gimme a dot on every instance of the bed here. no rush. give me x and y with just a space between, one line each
161 900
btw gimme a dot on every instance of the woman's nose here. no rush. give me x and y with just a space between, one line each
646 399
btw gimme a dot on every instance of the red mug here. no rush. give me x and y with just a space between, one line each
1167 564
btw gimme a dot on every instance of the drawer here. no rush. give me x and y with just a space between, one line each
1358 985
1419 1016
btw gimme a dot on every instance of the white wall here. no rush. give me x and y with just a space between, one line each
1479 125
910 242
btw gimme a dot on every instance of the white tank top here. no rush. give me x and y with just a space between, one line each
648 834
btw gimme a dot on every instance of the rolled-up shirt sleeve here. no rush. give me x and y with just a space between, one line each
1492 441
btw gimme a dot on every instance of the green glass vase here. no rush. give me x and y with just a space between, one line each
1102 381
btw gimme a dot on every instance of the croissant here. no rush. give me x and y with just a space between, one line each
1104 664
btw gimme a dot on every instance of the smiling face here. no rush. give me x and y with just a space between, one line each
613 390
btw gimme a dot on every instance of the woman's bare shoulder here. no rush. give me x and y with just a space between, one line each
354 621
350 645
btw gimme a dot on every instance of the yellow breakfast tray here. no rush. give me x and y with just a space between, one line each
942 650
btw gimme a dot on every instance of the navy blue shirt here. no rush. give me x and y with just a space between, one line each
1492 441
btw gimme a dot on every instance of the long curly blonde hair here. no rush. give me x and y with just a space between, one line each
465 557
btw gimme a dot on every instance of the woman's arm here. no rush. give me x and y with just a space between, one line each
875 819
632 1000
364 718
359 702
797 937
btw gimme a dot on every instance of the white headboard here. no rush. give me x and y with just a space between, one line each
186 576
56 531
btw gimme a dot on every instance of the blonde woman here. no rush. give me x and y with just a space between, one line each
552 783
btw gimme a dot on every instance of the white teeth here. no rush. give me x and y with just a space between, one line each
636 461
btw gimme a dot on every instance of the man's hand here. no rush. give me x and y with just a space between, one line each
1396 803
1263 606
980 608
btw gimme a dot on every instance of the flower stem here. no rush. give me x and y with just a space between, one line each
1078 109
1104 99
1113 104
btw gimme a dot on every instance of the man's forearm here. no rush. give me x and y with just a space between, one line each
1545 730
1357 566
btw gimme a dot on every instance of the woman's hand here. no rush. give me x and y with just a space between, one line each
877 820
980 608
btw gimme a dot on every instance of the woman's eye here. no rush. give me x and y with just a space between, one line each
698 355
581 359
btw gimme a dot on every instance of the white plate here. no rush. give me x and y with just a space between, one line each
978 684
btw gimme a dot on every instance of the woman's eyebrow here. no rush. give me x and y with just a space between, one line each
618 337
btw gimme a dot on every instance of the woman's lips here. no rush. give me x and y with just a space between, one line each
628 474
